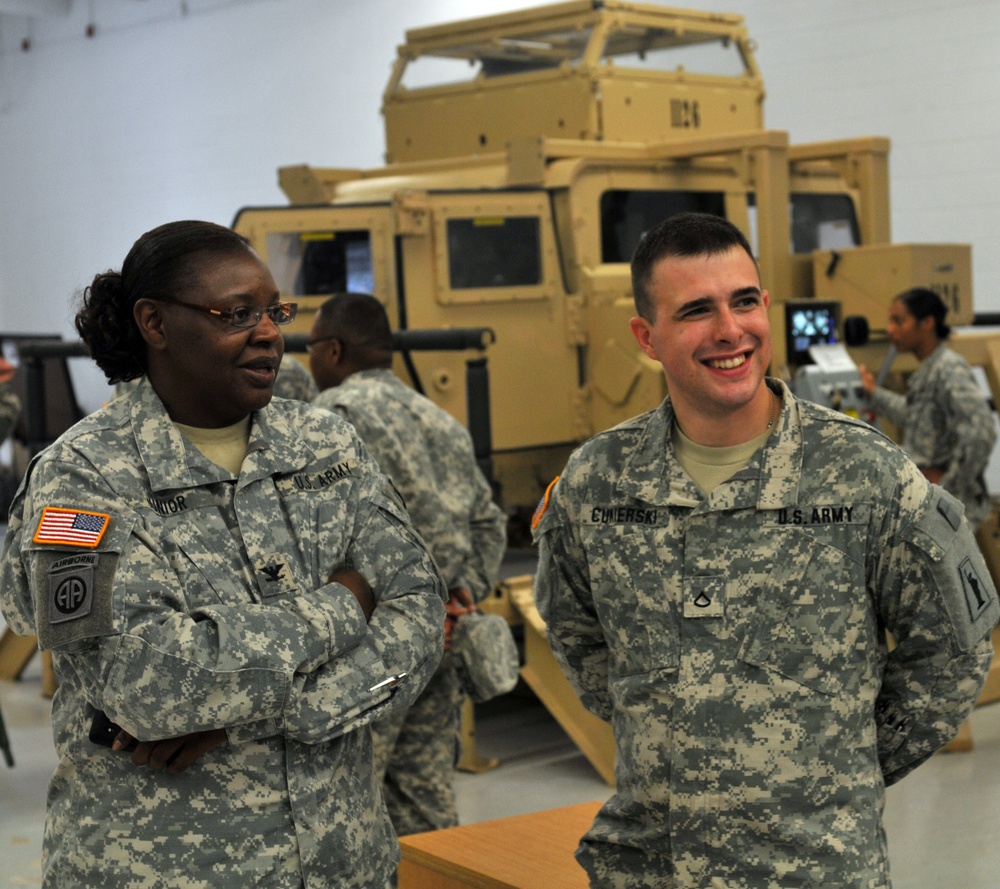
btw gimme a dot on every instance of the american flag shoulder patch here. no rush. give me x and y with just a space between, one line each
71 527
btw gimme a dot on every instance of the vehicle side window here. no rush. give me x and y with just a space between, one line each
823 222
495 251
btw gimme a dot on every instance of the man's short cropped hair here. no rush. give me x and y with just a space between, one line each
684 234
361 324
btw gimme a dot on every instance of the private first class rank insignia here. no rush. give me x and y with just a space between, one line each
71 527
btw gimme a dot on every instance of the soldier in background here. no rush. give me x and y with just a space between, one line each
948 428
10 404
294 381
717 577
10 411
430 459
231 581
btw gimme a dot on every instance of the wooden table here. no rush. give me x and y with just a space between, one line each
532 851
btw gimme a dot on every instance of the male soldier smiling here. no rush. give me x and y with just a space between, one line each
738 641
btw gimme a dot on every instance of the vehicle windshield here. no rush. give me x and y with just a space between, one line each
630 46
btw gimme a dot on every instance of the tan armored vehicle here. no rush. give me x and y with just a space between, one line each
526 154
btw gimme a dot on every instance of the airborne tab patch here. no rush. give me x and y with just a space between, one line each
71 527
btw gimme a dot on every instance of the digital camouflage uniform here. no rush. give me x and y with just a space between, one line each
737 644
430 458
946 422
10 410
205 604
294 380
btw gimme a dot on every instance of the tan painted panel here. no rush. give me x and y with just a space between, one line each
865 279
667 109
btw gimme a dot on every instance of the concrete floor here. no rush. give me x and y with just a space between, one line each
940 819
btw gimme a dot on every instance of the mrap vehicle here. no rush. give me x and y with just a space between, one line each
526 154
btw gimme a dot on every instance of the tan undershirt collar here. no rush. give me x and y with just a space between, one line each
709 466
225 447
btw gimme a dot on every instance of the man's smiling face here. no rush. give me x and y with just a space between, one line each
710 333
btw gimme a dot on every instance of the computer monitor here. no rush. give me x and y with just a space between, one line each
809 323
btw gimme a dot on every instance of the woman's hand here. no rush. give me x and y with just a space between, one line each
357 584
867 379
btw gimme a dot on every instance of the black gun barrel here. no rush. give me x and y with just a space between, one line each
456 339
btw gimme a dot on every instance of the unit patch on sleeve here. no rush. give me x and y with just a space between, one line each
71 587
71 527
977 592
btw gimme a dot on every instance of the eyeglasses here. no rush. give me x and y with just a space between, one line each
244 316
319 339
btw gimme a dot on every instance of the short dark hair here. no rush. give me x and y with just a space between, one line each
361 324
921 303
165 262
683 234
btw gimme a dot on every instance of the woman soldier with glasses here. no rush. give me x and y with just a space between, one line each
229 581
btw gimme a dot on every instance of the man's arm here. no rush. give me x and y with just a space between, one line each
487 525
936 597
563 598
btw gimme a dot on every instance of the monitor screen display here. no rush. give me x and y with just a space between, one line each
809 323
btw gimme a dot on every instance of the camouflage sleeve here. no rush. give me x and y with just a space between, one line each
15 595
890 405
137 644
10 410
405 636
465 530
563 598
294 381
974 429
453 510
488 530
935 596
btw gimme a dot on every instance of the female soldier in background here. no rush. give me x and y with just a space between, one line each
948 427
228 580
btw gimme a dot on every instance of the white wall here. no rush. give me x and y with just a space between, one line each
166 114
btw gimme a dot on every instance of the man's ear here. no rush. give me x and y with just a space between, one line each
642 331
336 348
149 320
